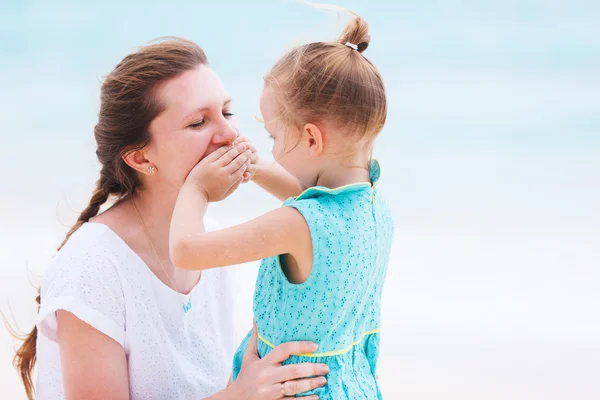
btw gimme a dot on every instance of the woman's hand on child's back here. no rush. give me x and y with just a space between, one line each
267 379
221 172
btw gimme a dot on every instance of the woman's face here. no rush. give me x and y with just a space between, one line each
196 120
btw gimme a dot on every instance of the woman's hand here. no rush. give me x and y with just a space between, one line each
221 172
267 379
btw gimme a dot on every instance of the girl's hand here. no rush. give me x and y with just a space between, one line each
254 159
267 379
221 172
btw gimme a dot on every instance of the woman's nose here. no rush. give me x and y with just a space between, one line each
226 135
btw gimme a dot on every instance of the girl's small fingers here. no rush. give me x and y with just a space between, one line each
251 170
233 187
236 179
218 153
239 162
241 139
239 174
232 154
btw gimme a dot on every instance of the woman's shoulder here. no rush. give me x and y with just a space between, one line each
91 252
91 239
84 279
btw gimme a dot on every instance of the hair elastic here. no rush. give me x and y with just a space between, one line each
352 45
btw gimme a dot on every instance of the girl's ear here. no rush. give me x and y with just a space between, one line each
314 136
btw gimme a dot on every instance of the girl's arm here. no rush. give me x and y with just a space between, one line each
282 231
273 178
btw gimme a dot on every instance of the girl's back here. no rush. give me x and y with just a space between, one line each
338 306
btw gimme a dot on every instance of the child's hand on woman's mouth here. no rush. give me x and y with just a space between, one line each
220 173
254 158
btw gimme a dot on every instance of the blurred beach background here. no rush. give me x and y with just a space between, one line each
491 162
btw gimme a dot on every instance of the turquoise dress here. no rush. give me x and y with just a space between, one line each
338 306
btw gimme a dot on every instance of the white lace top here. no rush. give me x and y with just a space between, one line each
171 354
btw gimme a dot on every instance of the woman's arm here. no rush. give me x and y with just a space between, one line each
94 366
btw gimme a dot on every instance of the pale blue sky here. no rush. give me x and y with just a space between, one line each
491 161
502 76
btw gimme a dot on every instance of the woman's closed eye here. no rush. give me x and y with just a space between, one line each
200 123
196 125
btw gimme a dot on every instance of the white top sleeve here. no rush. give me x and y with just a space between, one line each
87 285
99 279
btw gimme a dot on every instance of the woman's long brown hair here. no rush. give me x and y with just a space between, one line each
127 106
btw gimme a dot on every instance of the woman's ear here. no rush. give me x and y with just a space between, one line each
137 160
314 135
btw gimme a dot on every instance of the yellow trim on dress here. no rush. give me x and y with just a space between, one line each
326 353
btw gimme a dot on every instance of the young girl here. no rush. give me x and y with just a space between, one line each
325 252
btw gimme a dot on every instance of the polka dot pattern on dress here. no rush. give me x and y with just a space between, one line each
338 306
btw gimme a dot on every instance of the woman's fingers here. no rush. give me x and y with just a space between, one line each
251 353
292 388
297 371
282 352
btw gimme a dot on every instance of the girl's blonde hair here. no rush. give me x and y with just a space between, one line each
333 83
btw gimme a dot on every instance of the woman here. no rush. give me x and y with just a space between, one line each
117 320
